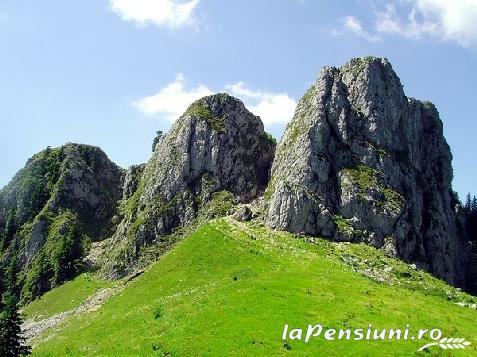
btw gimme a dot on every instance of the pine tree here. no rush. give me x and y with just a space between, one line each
12 344
467 205
471 218
156 139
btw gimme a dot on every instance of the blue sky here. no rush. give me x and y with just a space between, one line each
112 72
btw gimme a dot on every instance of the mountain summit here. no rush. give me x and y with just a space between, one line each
359 162
62 200
362 162
216 150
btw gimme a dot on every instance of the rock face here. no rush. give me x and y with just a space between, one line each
359 162
243 214
60 201
362 162
217 145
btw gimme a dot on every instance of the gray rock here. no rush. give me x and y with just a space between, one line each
360 161
70 193
132 179
90 184
243 214
216 145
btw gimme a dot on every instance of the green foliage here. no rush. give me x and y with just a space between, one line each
270 190
343 225
30 189
199 110
220 204
470 212
382 153
131 205
309 95
279 280
37 278
12 344
158 313
364 176
66 247
428 105
59 259
9 230
269 139
156 139
366 179
40 248
37 181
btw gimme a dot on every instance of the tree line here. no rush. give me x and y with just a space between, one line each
470 211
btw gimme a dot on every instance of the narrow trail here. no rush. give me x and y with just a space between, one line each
32 328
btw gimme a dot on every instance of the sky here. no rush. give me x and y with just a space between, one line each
111 73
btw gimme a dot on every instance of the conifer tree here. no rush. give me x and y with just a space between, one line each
156 139
467 205
12 344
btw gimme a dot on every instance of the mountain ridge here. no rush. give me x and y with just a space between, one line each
217 156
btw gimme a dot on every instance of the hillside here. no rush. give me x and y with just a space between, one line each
50 212
225 239
229 288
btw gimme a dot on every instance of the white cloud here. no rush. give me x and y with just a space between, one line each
170 13
271 107
444 20
429 24
353 25
450 20
172 100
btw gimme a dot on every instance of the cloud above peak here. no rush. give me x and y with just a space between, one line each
167 13
353 25
271 107
173 99
441 20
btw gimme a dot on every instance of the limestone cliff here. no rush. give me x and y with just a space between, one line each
362 162
216 150
359 162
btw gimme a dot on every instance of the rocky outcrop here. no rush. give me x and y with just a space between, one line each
362 162
60 201
132 179
216 146
359 162
243 214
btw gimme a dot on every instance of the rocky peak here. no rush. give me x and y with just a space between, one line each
74 176
362 162
216 136
216 146
60 201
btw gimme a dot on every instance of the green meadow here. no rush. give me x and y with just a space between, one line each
228 289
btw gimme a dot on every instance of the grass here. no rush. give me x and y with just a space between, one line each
343 224
65 297
366 179
199 110
229 288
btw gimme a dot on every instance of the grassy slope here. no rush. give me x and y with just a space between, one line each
229 288
65 297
